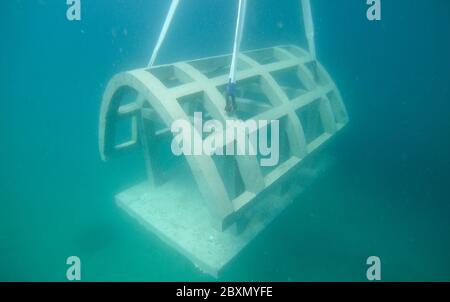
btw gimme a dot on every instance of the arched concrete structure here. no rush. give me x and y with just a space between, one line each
274 83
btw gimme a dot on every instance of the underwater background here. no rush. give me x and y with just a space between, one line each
388 194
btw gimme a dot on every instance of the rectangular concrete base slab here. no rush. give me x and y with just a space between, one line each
177 215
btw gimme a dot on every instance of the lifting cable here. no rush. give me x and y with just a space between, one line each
231 87
162 35
309 27
309 31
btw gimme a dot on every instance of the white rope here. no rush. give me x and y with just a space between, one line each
238 38
242 23
162 35
309 27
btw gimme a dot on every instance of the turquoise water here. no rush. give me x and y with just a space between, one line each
387 195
